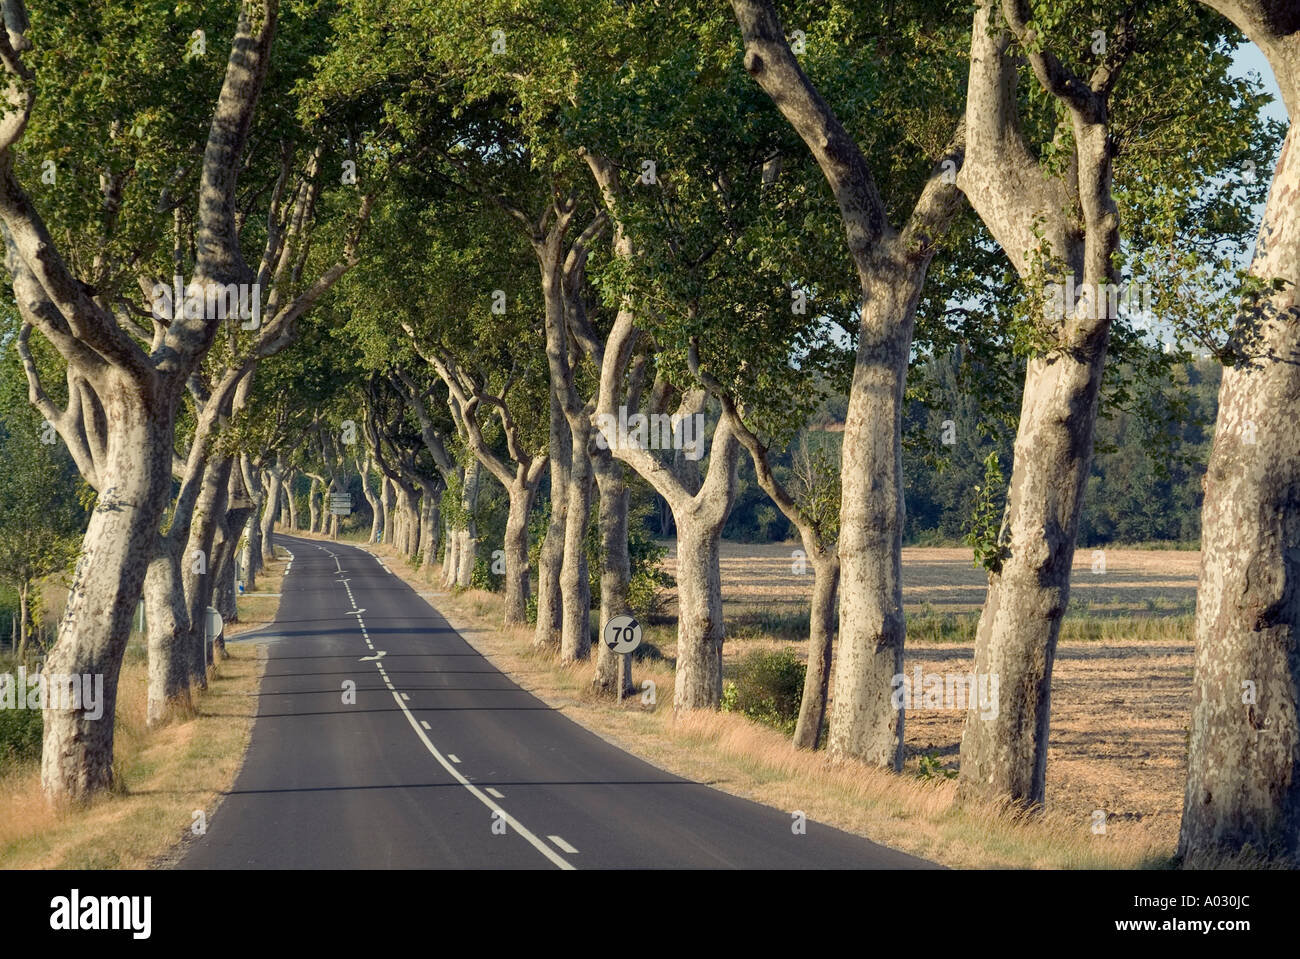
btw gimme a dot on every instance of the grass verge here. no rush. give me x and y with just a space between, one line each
165 776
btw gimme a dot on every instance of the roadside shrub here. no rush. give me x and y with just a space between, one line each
20 735
483 578
768 688
930 766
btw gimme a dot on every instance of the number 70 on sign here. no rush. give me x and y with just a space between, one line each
622 634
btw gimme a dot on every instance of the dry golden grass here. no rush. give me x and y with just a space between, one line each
740 756
1122 683
1119 582
163 775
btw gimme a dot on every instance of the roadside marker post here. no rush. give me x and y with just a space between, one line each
622 635
212 626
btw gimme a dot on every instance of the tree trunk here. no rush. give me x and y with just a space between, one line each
864 722
515 550
699 614
1006 755
821 640
612 669
434 520
314 521
551 558
376 519
1243 770
467 553
387 533
198 565
450 558
252 550
255 489
77 751
228 555
408 521
24 619
428 548
274 488
329 520
575 581
292 503
169 635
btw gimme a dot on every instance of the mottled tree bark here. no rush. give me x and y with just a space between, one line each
274 496
1004 752
429 523
168 632
613 671
198 565
821 640
291 503
386 497
256 492
313 523
575 577
515 546
364 468
551 557
700 628
77 751
891 265
467 549
408 520
1243 768
864 721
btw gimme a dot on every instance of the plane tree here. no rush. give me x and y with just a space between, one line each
465 315
724 265
896 201
1112 94
122 397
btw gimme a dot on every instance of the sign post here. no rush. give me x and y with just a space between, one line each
622 635
340 505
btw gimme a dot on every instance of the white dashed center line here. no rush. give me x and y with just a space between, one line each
401 699
563 846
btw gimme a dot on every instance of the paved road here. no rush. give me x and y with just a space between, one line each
443 762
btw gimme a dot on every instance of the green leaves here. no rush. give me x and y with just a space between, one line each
986 519
40 516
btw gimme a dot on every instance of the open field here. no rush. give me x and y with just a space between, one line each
1121 698
1134 582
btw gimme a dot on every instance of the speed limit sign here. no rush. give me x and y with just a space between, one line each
622 634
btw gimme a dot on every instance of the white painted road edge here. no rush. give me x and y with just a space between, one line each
478 794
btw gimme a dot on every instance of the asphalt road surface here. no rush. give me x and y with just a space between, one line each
443 762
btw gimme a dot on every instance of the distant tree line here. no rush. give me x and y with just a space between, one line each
1144 486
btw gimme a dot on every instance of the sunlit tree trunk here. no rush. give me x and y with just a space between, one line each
1243 767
